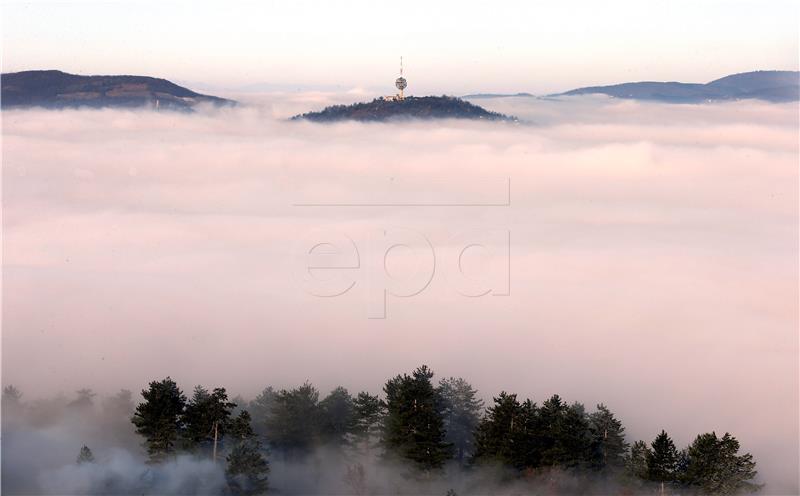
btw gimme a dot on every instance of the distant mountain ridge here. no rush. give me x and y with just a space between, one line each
57 89
772 86
426 107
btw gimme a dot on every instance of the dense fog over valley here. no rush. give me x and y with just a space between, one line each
638 255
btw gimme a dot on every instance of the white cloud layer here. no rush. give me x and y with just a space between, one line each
653 256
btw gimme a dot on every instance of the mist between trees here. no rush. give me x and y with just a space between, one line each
420 436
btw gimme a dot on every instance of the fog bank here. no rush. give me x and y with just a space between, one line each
653 257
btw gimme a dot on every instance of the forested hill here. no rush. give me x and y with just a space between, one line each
773 86
426 107
56 89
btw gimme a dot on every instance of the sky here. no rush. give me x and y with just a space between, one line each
448 47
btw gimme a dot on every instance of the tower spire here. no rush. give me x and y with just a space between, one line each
401 82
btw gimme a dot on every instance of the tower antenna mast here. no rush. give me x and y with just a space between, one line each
401 82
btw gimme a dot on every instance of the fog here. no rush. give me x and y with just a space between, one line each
39 459
642 255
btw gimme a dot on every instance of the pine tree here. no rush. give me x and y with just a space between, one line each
496 433
715 467
120 405
636 461
247 468
462 410
608 440
337 418
414 426
206 418
527 453
369 411
682 465
85 456
11 405
158 418
662 460
12 396
84 399
574 438
548 431
116 416
524 436
293 423
261 409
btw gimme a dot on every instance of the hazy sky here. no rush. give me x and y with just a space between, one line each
448 46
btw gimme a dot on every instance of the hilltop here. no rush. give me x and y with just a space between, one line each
772 86
426 107
56 89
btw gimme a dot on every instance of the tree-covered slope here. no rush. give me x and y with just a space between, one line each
773 86
56 89
426 107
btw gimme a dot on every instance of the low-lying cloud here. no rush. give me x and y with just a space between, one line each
653 257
